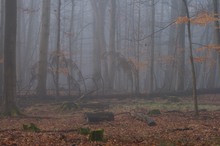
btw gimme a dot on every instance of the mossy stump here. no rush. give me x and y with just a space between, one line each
97 135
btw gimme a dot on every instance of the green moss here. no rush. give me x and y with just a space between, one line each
13 112
68 106
154 112
31 127
173 99
97 135
84 131
167 143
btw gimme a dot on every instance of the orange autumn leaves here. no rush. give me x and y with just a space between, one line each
201 19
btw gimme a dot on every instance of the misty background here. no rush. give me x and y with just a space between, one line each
113 46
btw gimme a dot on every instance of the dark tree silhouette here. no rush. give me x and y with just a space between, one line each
10 107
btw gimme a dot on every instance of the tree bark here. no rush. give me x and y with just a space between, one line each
99 42
1 46
112 44
170 69
192 61
152 47
44 39
71 44
58 49
217 26
181 50
10 57
29 45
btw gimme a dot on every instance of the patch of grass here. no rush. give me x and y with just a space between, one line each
173 99
31 127
154 112
84 131
161 105
166 143
68 106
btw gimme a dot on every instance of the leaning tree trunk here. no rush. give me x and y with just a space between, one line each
10 107
192 61
44 38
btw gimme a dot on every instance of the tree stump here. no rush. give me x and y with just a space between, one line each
97 135
99 117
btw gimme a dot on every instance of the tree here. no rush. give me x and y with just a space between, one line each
181 50
44 38
58 48
71 42
191 60
112 43
217 26
152 46
10 107
99 42
30 42
1 45
171 51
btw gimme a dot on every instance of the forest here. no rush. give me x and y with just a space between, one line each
109 72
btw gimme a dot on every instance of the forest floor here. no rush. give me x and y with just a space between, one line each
176 125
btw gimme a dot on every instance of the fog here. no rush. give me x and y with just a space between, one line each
119 46
109 72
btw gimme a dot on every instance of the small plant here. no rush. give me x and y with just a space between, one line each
173 99
96 135
31 127
154 112
84 131
166 143
68 106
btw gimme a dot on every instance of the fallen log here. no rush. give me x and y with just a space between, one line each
99 117
143 117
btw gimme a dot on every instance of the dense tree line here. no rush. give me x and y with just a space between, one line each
108 46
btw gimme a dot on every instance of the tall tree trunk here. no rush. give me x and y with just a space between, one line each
58 49
44 39
10 57
181 49
137 86
2 11
217 26
152 46
99 42
112 44
29 44
192 61
19 46
81 35
71 44
169 71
